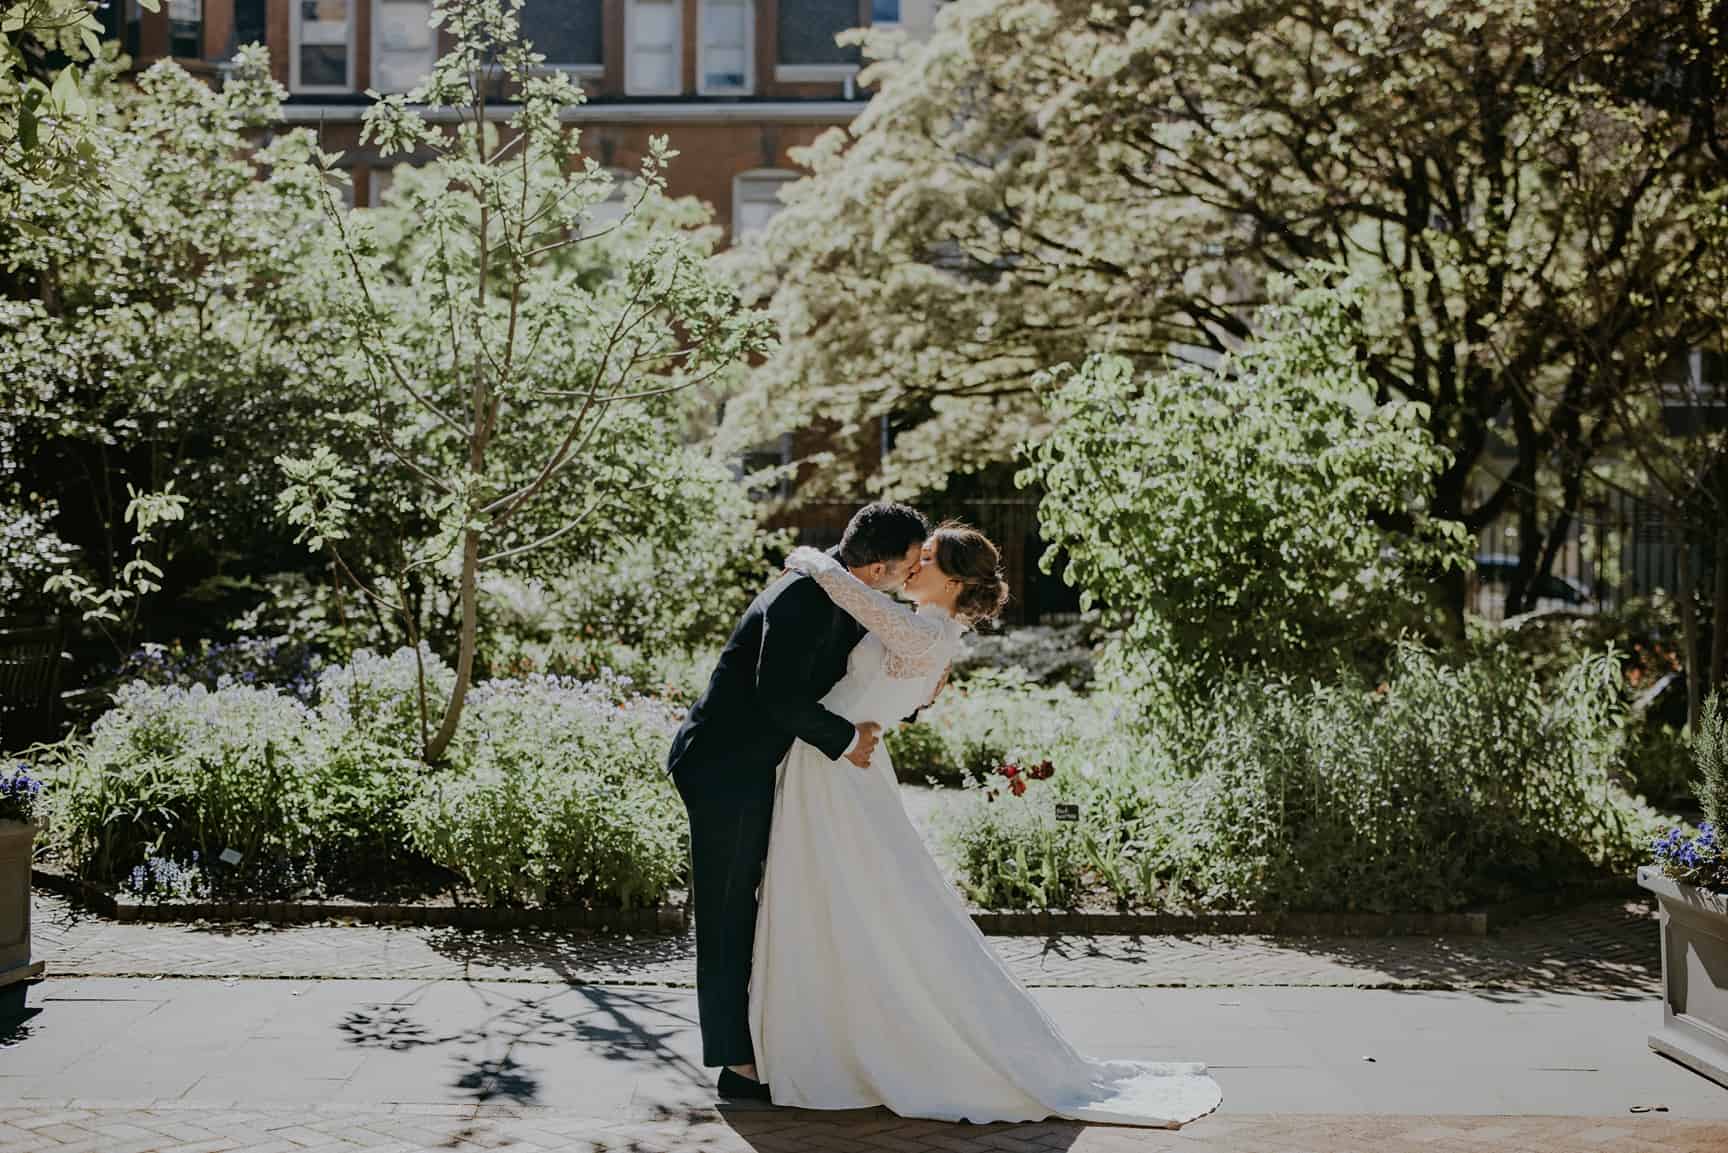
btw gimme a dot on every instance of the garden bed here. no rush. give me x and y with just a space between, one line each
111 902
675 917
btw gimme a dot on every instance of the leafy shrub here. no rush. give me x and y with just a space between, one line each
170 771
1444 786
978 724
1659 765
552 793
1711 746
1015 855
1231 518
560 798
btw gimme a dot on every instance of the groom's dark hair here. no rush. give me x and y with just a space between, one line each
881 532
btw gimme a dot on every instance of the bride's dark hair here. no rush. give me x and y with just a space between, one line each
968 556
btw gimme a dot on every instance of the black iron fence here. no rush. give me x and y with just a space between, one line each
1619 547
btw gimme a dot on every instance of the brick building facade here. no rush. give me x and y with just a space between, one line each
736 84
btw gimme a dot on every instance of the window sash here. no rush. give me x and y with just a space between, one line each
653 60
322 25
727 58
404 46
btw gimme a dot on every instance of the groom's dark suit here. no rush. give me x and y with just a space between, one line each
789 649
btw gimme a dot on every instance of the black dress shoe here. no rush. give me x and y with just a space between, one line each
742 1088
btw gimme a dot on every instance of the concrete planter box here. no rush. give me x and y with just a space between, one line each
1694 975
16 970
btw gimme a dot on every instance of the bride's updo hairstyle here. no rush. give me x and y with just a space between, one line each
966 555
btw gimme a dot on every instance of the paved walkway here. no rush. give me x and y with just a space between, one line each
245 1039
1606 948
284 1065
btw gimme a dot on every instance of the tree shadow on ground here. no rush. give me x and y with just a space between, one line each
615 957
491 1058
1605 949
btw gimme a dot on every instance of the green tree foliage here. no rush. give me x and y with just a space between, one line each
1531 190
44 112
521 402
162 333
1237 517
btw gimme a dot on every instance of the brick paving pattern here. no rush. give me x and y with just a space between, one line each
1606 948
87 1127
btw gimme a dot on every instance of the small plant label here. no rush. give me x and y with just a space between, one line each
228 857
1067 811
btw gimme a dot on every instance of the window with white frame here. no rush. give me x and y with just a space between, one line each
322 59
653 38
755 200
884 12
726 60
567 32
403 43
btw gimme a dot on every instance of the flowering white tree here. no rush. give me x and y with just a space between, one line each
1530 189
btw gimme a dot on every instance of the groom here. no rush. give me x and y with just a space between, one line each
789 649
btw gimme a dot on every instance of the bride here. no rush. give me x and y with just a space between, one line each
870 984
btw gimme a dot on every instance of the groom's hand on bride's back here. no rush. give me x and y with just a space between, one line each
869 732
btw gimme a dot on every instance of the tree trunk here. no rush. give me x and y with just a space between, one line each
1452 589
1689 637
465 656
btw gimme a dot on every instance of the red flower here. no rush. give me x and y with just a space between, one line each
1018 786
1009 771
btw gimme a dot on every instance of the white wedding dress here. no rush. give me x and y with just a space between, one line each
871 985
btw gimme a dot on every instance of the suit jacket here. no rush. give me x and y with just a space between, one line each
787 651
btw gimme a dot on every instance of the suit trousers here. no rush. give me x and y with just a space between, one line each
730 815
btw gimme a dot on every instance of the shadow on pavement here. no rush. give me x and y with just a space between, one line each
492 1057
1608 950
774 1129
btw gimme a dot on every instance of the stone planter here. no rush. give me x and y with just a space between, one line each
16 970
1694 975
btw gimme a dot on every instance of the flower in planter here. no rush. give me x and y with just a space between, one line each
18 794
1696 860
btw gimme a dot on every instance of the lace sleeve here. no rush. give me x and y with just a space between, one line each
914 642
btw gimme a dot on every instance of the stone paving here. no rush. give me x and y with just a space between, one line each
81 1127
1606 948
1605 952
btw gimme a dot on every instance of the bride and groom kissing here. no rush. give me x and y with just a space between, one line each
836 966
